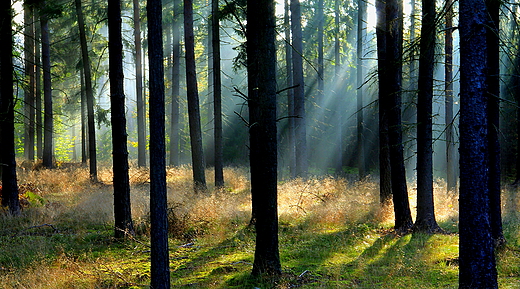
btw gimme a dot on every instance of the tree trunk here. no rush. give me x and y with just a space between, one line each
47 95
141 125
7 157
321 83
89 93
197 154
217 94
451 153
493 110
38 96
426 221
160 271
261 67
385 180
299 91
30 90
290 92
84 145
339 83
361 30
122 208
476 249
176 49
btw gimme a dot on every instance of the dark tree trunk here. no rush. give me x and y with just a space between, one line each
197 154
451 153
141 125
84 145
30 90
89 94
321 67
394 57
38 94
361 30
299 91
261 67
476 249
160 271
493 109
385 180
7 157
217 94
122 209
290 92
426 221
176 50
47 94
339 83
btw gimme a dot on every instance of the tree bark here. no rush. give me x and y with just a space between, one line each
47 94
197 154
361 30
38 94
7 157
426 221
160 271
217 94
451 153
30 90
477 267
261 67
299 91
89 94
176 50
290 92
122 207
141 125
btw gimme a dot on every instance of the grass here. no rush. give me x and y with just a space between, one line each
332 235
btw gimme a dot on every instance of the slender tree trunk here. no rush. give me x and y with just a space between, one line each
7 157
122 208
385 180
38 94
176 49
193 99
141 126
30 90
321 71
361 30
451 154
476 249
89 93
84 145
426 221
217 95
47 95
299 91
493 110
261 67
339 83
290 92
160 271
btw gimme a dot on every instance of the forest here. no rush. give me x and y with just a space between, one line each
259 144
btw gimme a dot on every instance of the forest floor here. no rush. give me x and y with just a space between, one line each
332 235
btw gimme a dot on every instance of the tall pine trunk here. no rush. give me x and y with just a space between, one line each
197 154
122 208
361 30
47 94
217 94
141 125
175 115
30 90
451 153
290 92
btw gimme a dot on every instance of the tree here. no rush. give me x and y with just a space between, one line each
476 249
7 157
299 90
47 91
361 30
261 68
30 90
122 208
493 110
425 221
160 271
197 154
141 126
89 93
290 92
451 169
217 93
176 50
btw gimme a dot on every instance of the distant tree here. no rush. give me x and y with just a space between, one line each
38 86
47 90
7 157
217 94
141 126
175 115
321 67
338 80
425 221
493 110
477 268
160 271
122 207
290 92
261 68
197 154
385 180
451 154
299 90
30 90
89 93
361 31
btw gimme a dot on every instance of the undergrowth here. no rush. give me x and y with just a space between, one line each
333 234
